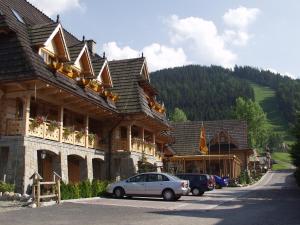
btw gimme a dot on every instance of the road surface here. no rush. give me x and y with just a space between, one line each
275 200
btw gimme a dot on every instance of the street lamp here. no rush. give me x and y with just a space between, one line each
43 154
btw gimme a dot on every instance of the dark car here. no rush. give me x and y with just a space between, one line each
199 183
221 182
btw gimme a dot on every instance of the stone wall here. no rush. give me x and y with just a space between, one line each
23 160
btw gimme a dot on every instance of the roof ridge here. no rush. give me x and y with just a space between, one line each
49 18
128 59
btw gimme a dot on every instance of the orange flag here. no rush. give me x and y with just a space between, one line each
203 147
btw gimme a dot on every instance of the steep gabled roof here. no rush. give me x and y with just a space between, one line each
19 61
40 33
187 134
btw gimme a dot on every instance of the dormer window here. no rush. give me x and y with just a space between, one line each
47 57
18 16
104 76
83 62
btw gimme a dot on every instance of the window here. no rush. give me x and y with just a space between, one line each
157 178
19 107
46 57
138 178
18 16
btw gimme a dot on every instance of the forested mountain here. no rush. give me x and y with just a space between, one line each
209 93
204 93
287 90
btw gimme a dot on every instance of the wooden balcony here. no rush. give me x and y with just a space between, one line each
46 130
137 145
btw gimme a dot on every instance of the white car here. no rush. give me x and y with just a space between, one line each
150 184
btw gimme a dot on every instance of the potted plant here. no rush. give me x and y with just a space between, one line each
53 125
79 135
94 85
37 121
68 70
92 138
68 131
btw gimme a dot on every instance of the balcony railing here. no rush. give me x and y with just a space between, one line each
138 145
47 130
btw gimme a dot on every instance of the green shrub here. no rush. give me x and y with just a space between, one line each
84 189
6 187
244 177
74 191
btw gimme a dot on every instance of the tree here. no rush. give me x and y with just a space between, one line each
251 112
178 115
295 150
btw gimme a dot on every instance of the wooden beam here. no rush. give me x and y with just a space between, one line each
16 94
1 93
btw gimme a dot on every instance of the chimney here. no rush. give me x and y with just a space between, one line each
92 46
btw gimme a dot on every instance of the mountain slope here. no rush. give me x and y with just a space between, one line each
204 93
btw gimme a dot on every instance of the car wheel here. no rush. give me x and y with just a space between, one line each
119 192
177 198
168 195
196 191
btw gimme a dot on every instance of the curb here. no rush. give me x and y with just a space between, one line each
80 199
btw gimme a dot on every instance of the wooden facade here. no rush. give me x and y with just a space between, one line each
68 110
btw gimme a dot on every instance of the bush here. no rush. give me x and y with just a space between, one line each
6 187
84 189
244 178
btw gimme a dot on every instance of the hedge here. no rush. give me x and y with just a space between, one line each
6 187
84 189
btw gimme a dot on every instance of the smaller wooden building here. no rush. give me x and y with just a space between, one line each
228 150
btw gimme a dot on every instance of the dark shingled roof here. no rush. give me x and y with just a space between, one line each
187 134
41 32
126 75
74 50
19 61
97 64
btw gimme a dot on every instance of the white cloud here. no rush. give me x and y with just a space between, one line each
239 38
158 56
113 51
202 38
53 7
240 17
293 76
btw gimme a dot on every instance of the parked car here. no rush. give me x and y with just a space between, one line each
212 182
150 184
199 183
221 182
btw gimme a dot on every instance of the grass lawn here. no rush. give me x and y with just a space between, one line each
283 160
266 97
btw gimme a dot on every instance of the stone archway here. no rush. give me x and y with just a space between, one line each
48 163
77 168
98 169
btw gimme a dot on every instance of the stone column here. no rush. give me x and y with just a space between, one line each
61 125
64 166
153 141
89 167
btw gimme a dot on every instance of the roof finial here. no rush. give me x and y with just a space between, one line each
142 54
83 38
57 18
104 57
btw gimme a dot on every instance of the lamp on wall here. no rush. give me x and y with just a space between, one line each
43 154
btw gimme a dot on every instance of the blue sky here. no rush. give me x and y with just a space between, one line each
264 34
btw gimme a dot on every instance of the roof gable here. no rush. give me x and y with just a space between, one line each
80 58
104 75
50 36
